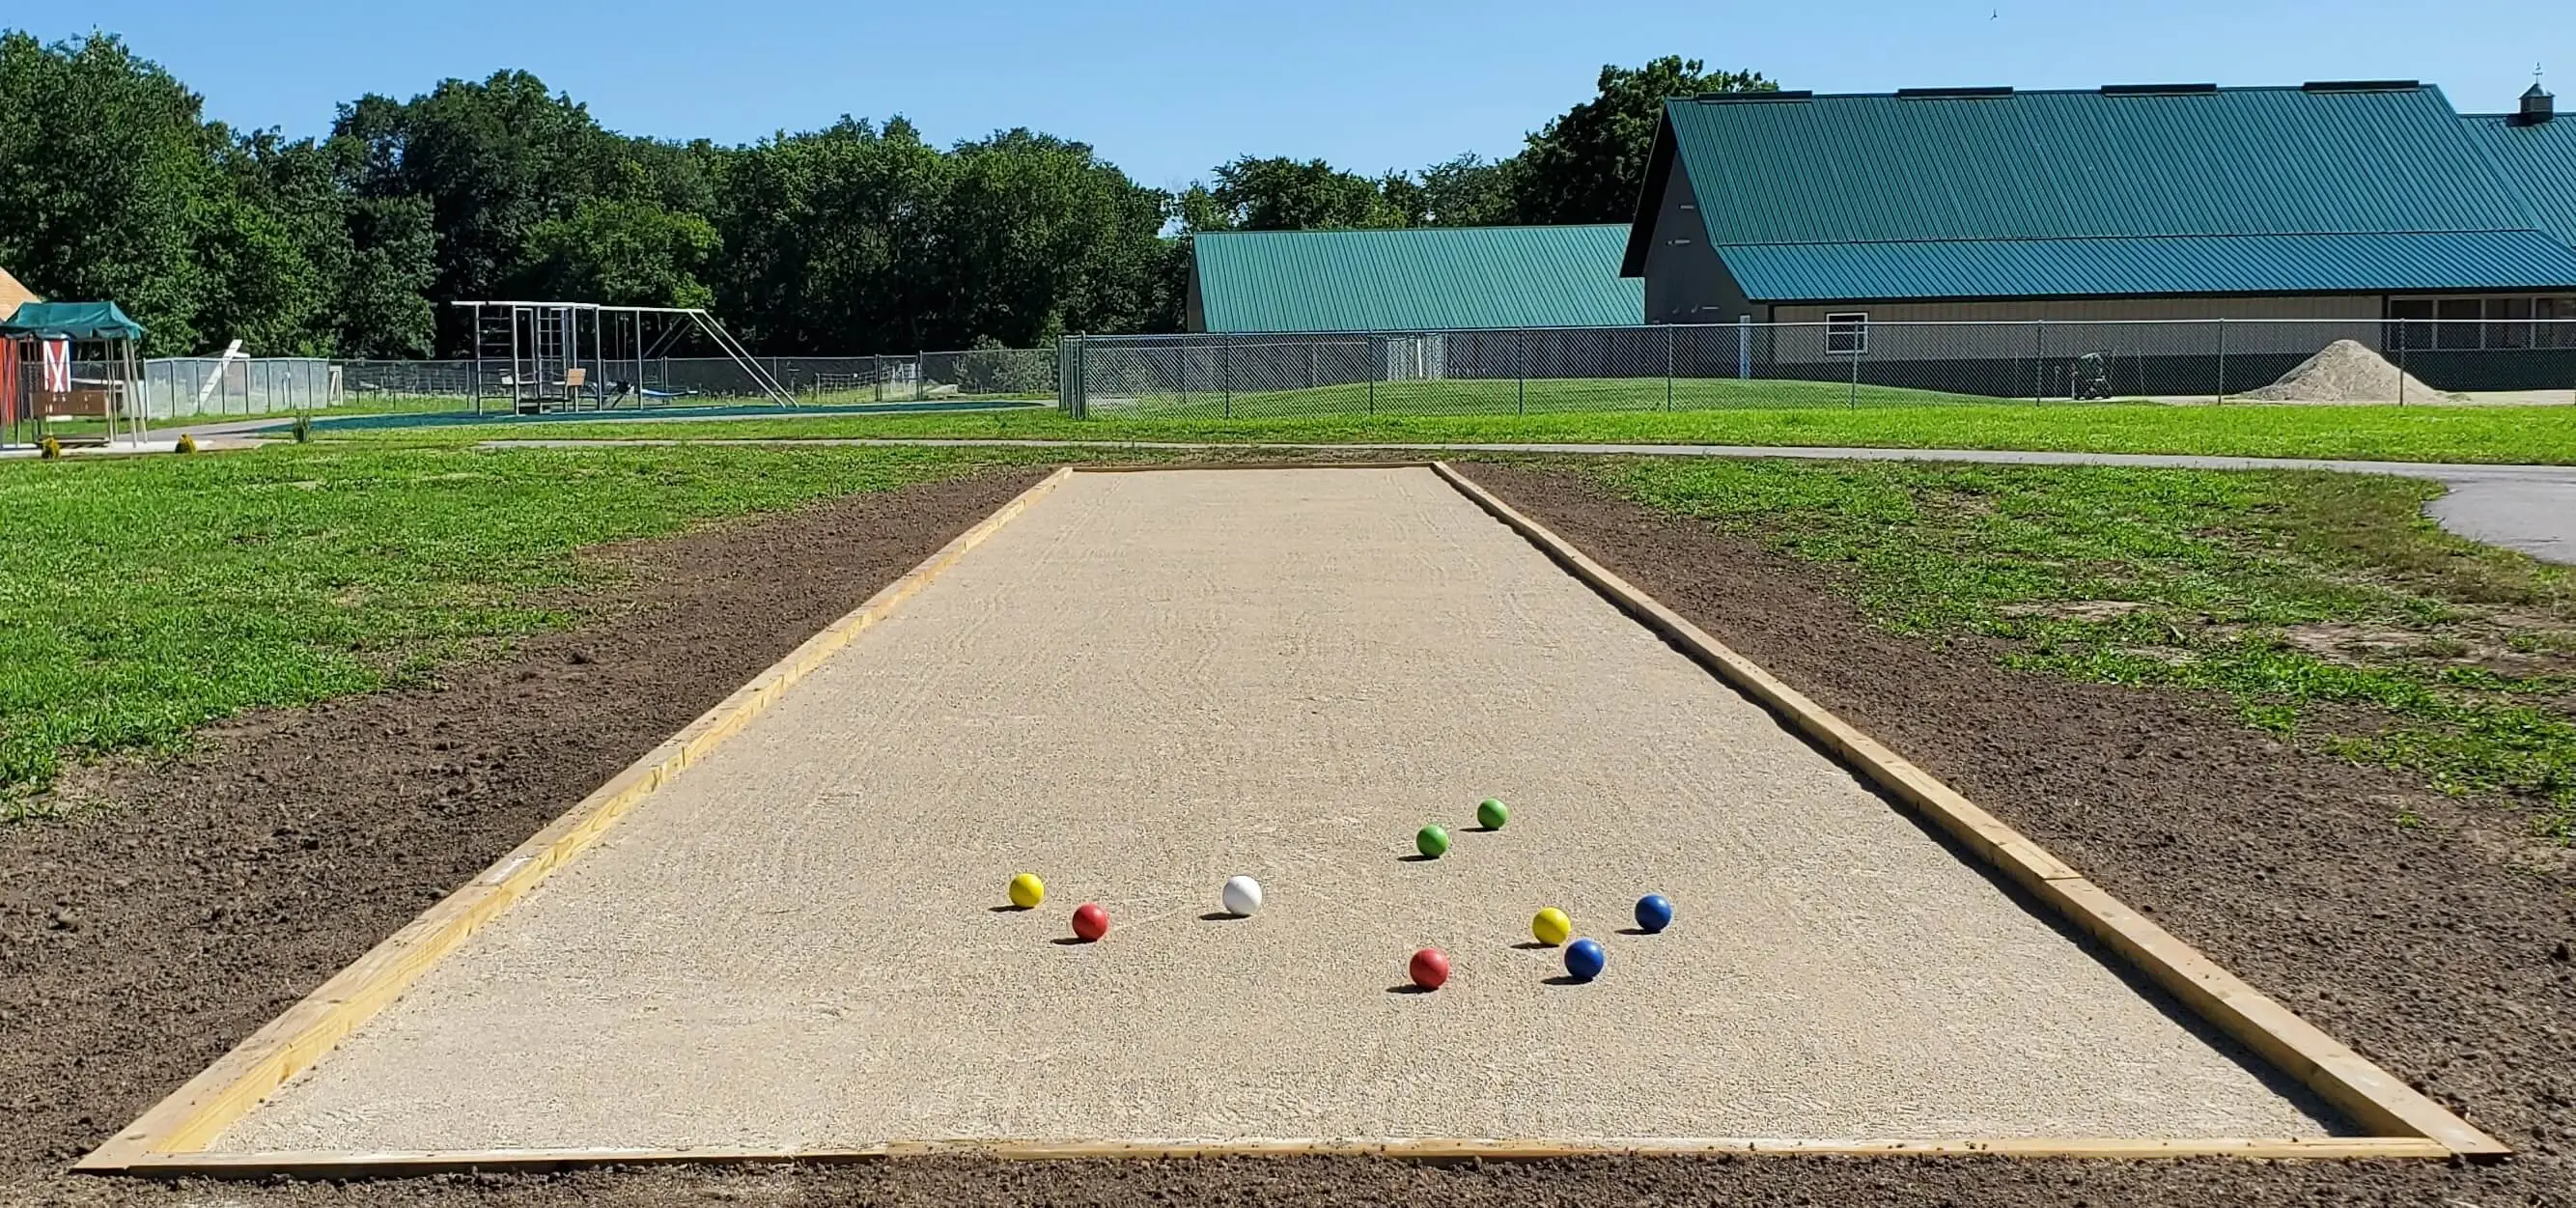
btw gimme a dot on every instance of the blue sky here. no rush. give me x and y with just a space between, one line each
1168 90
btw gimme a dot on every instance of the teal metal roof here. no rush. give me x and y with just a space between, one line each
2151 265
1421 279
72 321
2541 158
2071 185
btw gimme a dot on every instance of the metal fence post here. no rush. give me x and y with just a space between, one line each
1225 370
1520 372
1853 402
2038 362
2402 342
1372 374
920 376
2222 360
1668 367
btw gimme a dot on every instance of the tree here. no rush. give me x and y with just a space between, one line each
1045 237
496 161
1587 165
1470 191
1281 194
105 172
625 249
833 238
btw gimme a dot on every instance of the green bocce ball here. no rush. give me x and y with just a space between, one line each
1492 815
1431 841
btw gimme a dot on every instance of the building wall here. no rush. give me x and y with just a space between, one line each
2142 325
1685 281
1193 311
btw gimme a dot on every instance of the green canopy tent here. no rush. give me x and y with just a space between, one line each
64 365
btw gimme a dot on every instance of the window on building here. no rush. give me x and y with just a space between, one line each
2545 321
1847 334
2407 326
2459 322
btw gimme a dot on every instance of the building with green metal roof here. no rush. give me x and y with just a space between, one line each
2537 153
1419 279
2358 201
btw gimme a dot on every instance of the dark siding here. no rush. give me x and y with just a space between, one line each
1193 311
1685 282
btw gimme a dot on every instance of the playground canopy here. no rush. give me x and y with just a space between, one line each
71 321
67 363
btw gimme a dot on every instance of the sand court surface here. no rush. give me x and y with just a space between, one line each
1152 681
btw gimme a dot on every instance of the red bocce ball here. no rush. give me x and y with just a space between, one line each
1090 922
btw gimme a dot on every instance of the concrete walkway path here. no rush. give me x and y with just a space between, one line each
2526 508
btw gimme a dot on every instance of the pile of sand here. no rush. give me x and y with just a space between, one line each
2346 372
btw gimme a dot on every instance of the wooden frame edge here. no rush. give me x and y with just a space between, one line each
364 1164
1164 466
222 1093
2374 1098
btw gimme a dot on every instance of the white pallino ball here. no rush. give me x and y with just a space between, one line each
1242 895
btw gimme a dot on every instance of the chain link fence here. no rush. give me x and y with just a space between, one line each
1847 361
183 387
991 374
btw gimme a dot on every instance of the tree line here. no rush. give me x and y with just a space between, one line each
854 238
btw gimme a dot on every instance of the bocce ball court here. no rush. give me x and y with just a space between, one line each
785 933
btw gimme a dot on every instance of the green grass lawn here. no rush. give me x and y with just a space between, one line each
2325 604
2437 434
142 597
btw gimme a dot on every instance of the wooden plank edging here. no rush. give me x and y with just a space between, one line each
2374 1098
1156 467
318 1164
200 1110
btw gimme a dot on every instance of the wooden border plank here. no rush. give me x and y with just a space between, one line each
2374 1099
1167 466
381 1164
199 1111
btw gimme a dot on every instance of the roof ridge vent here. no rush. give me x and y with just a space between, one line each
1777 94
1939 93
2158 89
2361 86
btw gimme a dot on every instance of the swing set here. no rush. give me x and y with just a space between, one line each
536 357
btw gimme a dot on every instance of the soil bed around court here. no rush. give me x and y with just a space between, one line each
139 942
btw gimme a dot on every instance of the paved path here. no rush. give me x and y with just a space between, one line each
2528 508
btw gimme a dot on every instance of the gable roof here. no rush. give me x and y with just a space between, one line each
13 295
2339 182
2540 157
1417 279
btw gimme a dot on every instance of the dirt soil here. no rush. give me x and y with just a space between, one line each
140 939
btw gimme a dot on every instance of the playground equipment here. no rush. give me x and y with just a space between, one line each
68 370
583 356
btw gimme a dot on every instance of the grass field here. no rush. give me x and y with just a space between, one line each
142 597
2508 435
2324 604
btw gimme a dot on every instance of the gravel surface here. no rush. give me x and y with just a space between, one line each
1150 682
189 919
